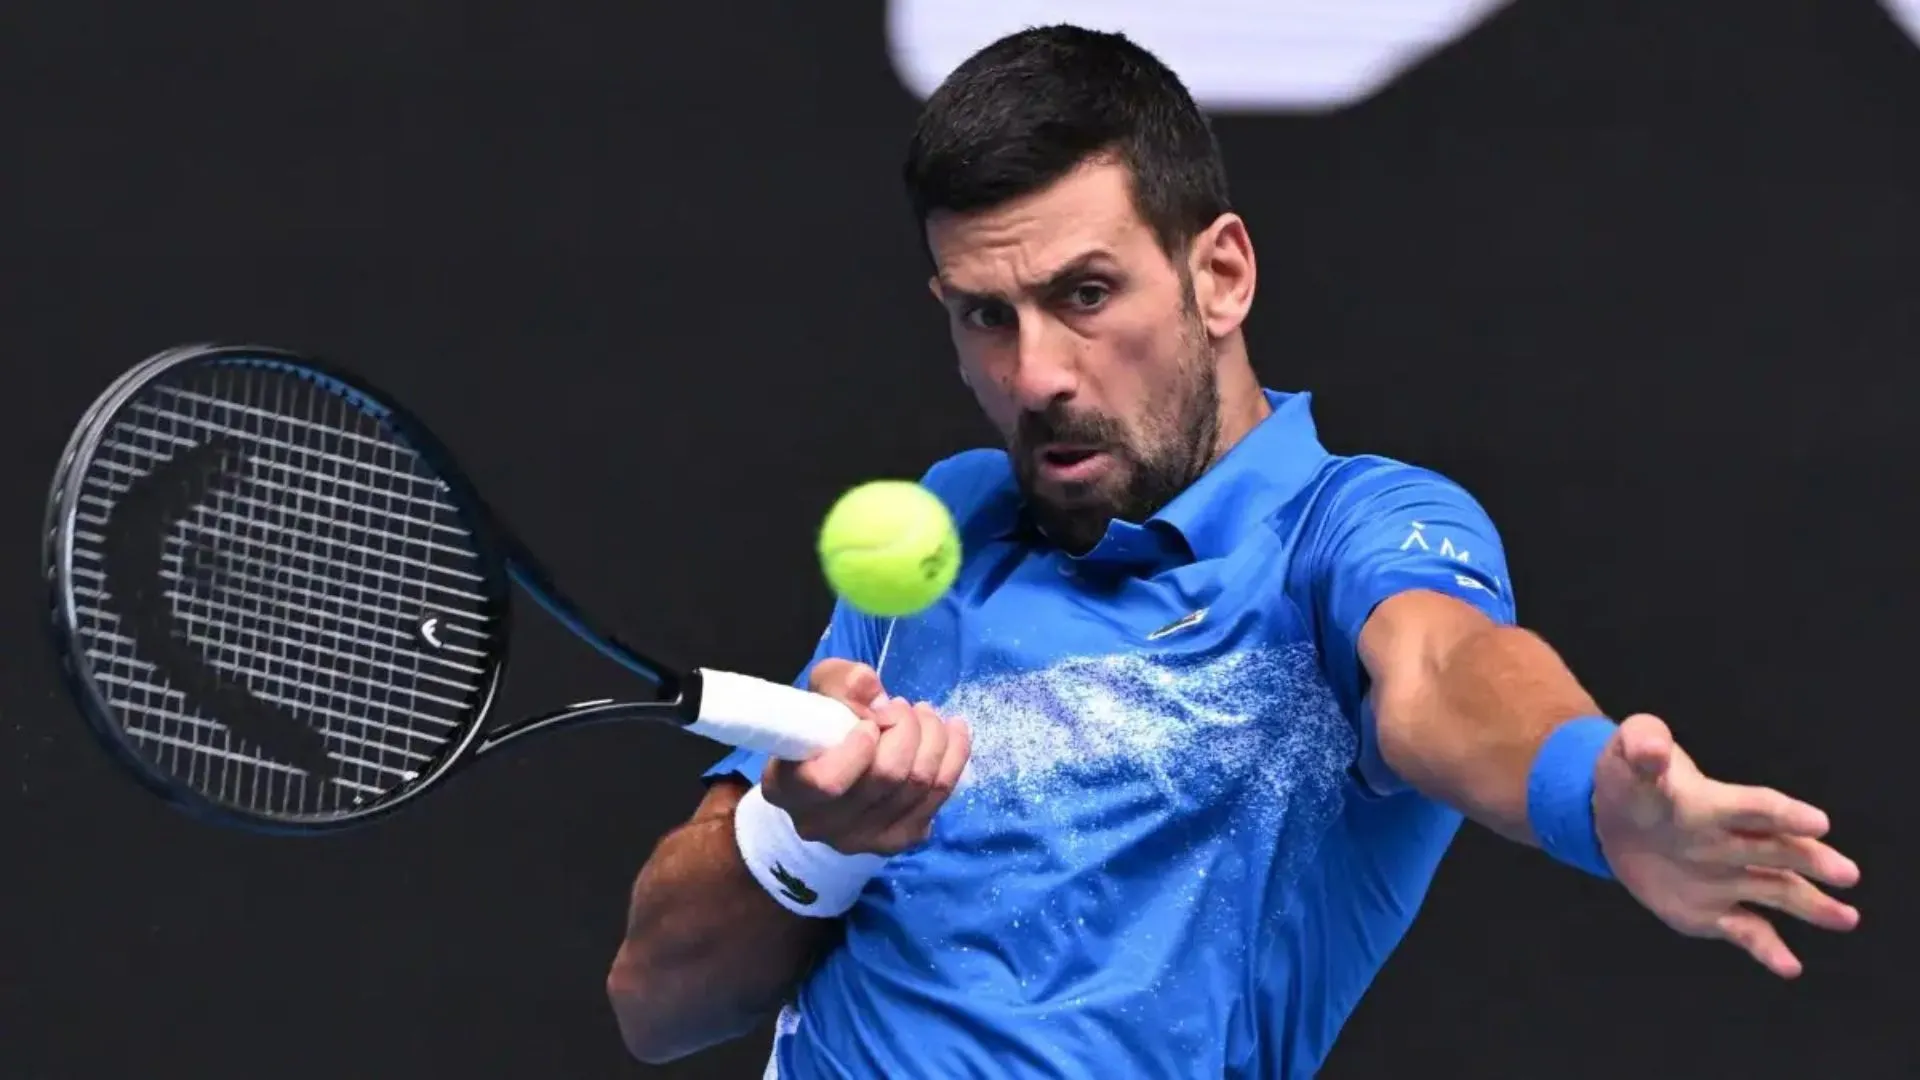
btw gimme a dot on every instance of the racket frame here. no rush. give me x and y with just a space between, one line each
505 560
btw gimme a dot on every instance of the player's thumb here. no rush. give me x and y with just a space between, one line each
1647 745
854 685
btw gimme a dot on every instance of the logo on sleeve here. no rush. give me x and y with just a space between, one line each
1418 538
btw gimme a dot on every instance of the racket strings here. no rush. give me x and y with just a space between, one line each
325 572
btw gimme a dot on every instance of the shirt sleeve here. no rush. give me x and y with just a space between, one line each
849 636
1383 528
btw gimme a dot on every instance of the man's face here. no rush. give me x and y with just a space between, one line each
1081 340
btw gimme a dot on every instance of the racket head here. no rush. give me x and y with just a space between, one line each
240 536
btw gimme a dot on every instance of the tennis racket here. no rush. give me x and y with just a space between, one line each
280 604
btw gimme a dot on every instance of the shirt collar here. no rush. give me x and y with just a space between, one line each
1268 466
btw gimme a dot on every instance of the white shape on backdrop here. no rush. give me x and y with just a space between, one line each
1907 14
1234 55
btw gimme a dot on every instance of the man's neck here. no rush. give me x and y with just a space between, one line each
1243 404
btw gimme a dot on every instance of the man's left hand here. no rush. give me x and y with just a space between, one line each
1698 852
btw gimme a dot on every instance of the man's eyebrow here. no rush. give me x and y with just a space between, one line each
1073 269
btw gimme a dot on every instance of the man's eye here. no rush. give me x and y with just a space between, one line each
988 316
1089 295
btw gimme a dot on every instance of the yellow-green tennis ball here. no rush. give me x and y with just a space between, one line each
888 548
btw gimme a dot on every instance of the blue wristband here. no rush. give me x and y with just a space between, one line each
1560 793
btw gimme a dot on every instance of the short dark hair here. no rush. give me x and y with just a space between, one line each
1026 110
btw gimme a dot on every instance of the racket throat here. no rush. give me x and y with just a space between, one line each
582 714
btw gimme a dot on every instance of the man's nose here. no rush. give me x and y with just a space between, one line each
1047 367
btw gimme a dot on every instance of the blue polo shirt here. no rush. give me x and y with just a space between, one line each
1176 850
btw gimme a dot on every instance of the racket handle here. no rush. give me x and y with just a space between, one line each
773 718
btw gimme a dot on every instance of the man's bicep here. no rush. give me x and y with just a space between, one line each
1397 529
849 635
1418 531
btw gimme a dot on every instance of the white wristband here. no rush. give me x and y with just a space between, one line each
805 876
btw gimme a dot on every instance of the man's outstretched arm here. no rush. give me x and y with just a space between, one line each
1462 704
1487 719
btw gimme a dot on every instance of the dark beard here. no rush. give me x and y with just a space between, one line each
1154 475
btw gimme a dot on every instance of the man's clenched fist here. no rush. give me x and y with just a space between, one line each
877 791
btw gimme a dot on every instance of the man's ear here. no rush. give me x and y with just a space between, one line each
1223 270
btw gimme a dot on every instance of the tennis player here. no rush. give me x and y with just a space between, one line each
1158 787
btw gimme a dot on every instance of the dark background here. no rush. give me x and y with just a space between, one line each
1644 275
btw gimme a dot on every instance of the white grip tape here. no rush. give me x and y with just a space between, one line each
773 718
804 876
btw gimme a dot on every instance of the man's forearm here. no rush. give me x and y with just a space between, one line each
708 954
1467 732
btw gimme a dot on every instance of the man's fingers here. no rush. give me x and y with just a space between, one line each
1799 854
947 777
959 750
916 826
1761 941
825 777
926 763
1764 810
849 780
854 685
892 759
933 745
836 769
878 789
1789 892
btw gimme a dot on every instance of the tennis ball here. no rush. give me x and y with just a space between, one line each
888 548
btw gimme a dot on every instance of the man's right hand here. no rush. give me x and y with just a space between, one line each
876 792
